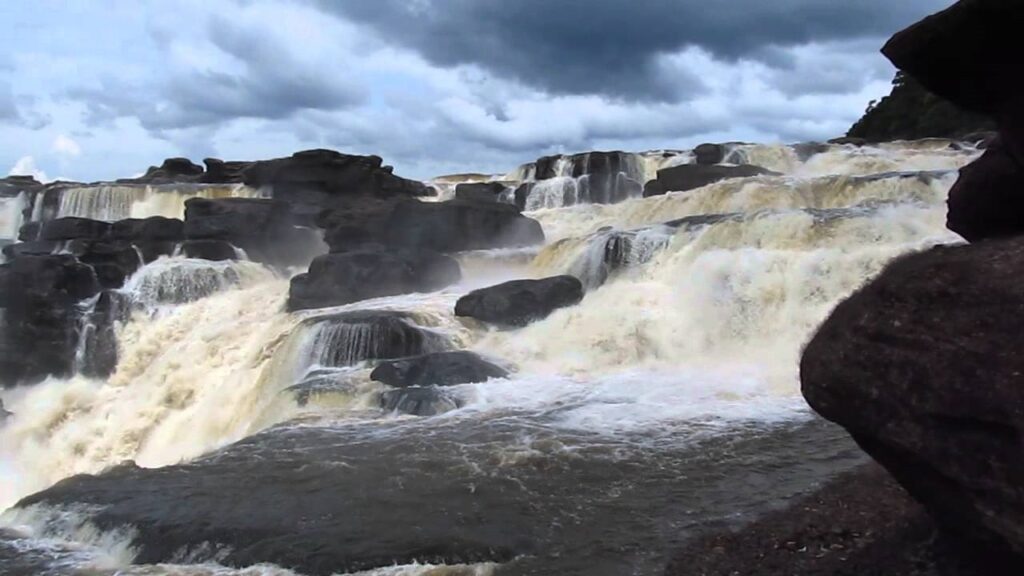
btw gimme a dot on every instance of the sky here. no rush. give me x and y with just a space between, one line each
101 90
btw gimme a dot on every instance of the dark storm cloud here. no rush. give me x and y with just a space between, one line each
611 47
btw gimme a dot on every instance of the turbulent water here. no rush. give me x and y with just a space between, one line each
665 402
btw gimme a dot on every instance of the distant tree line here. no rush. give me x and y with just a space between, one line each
911 112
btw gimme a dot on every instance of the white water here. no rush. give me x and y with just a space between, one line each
113 202
12 215
698 324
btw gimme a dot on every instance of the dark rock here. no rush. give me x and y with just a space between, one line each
601 177
981 140
438 369
98 337
36 248
113 261
263 228
691 176
172 170
72 228
320 383
11 186
709 154
419 401
921 367
849 141
156 228
351 337
39 333
346 238
336 279
460 225
807 150
221 172
987 200
215 250
481 191
30 231
520 302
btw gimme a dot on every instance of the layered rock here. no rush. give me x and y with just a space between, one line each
460 225
520 302
264 228
594 177
419 401
438 369
987 200
921 367
691 176
336 279
481 191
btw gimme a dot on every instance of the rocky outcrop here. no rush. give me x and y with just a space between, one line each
921 367
264 228
213 250
438 369
71 228
39 331
172 170
111 261
520 302
351 337
481 191
600 177
220 172
459 225
336 279
709 154
987 200
691 176
98 338
419 401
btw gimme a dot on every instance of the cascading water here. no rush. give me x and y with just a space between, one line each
635 409
12 211
113 202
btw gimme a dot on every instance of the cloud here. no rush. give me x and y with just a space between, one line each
64 145
26 166
611 47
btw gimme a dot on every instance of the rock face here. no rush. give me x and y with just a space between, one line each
480 191
690 176
213 250
520 302
72 228
438 369
419 401
172 170
921 367
460 225
600 177
987 200
39 331
709 154
264 228
336 279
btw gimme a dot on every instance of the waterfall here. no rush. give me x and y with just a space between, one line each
12 214
180 280
112 202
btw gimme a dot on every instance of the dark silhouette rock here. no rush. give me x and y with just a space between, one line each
336 279
30 231
460 225
849 141
921 367
148 229
345 238
215 250
438 369
98 335
351 337
112 261
72 228
220 172
691 176
264 228
709 154
39 332
987 200
520 302
36 248
480 191
419 401
807 150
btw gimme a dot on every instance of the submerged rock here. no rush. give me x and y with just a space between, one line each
460 225
351 337
419 401
214 250
922 367
690 176
438 369
336 279
520 302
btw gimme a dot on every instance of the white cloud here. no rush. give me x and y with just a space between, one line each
26 166
65 145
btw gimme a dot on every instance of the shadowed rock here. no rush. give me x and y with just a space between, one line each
438 369
520 302
690 176
460 225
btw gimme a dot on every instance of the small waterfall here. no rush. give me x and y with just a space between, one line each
112 202
169 281
12 215
611 250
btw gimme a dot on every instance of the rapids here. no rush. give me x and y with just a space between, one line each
679 367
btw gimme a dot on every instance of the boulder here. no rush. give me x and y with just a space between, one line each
336 279
438 369
481 191
419 401
220 172
601 177
172 170
73 228
36 248
155 228
30 231
987 200
460 225
348 338
39 332
215 250
691 176
345 238
807 150
849 141
709 154
112 261
921 367
263 228
520 302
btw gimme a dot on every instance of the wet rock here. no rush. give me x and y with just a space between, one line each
39 296
346 238
112 261
336 279
691 176
481 191
36 248
220 172
460 225
321 383
148 229
73 228
11 186
214 250
30 231
351 337
849 141
263 228
97 355
921 367
419 401
438 369
807 150
987 200
172 170
601 177
709 154
520 302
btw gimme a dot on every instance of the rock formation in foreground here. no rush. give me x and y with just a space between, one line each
921 365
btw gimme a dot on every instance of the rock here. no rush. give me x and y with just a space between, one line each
987 200
460 225
520 302
336 279
72 228
981 140
348 338
320 383
99 337
691 176
345 238
11 186
112 261
215 250
921 367
807 150
438 369
30 231
39 295
156 228
709 154
36 248
481 191
263 228
419 401
601 177
849 141
172 170
221 172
